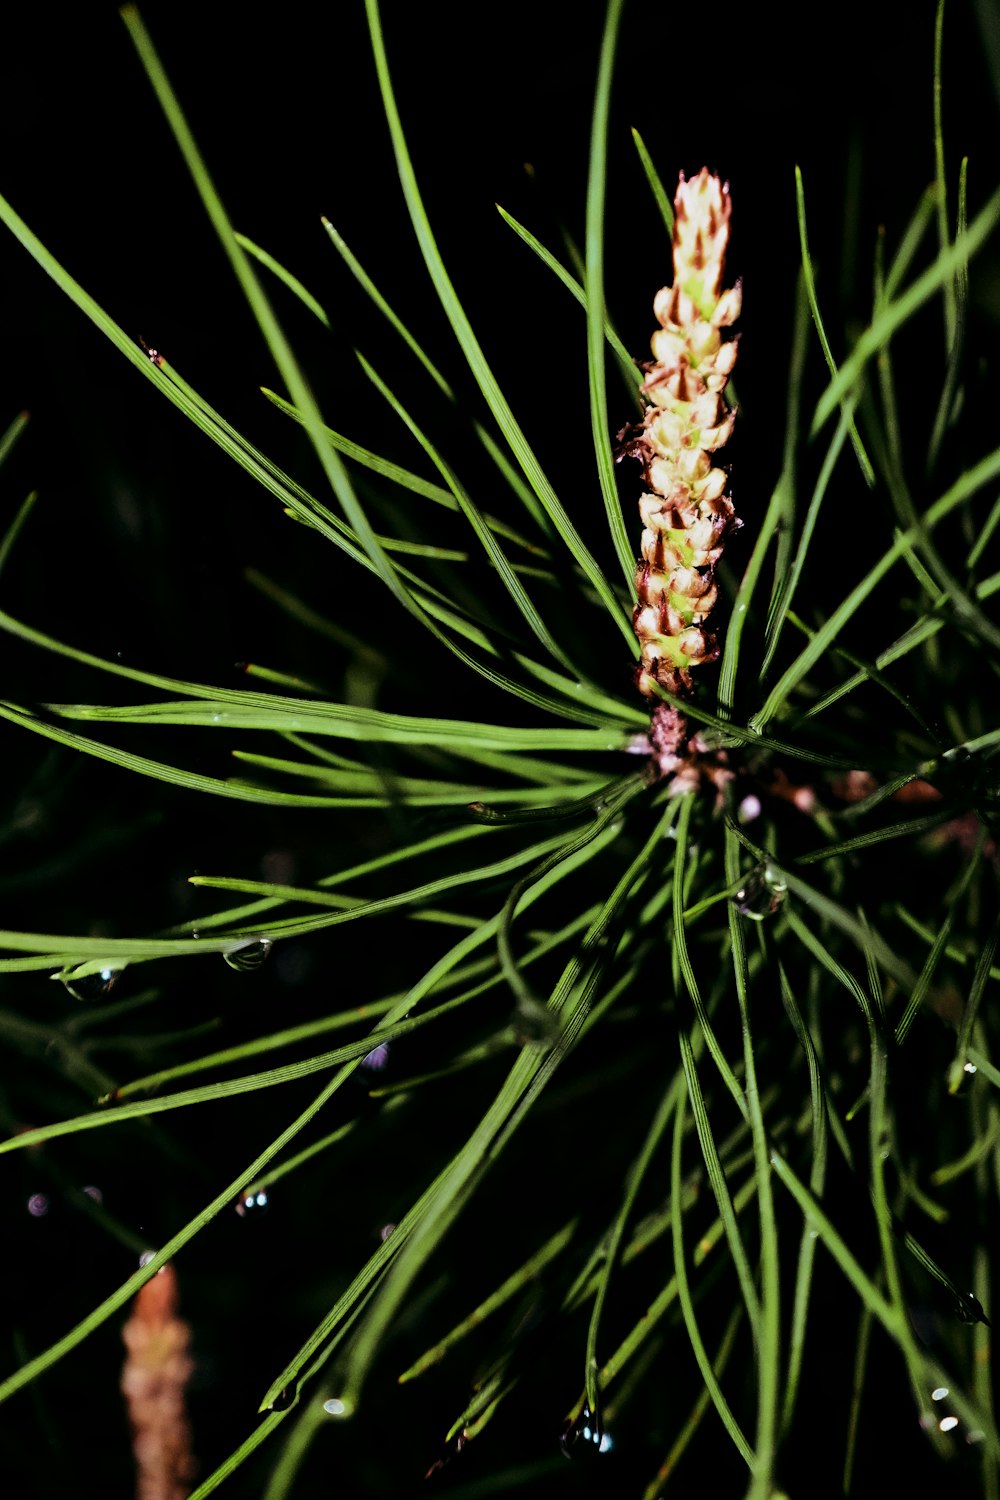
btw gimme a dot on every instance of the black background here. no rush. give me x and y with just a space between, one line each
142 534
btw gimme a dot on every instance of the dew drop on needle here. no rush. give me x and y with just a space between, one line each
247 956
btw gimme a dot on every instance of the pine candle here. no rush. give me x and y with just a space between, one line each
685 511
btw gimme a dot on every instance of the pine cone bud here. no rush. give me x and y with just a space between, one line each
686 514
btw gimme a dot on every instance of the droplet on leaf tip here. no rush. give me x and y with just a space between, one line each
761 894
585 1437
253 1203
246 956
91 986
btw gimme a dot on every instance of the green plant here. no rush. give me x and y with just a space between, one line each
651 1050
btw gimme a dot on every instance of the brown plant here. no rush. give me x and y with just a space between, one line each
156 1370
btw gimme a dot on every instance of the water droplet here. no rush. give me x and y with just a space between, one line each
939 1393
749 809
93 1192
338 1407
761 893
146 1257
285 1398
961 1076
253 1204
38 1205
385 1232
585 1438
377 1058
248 955
969 1309
948 1424
91 986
